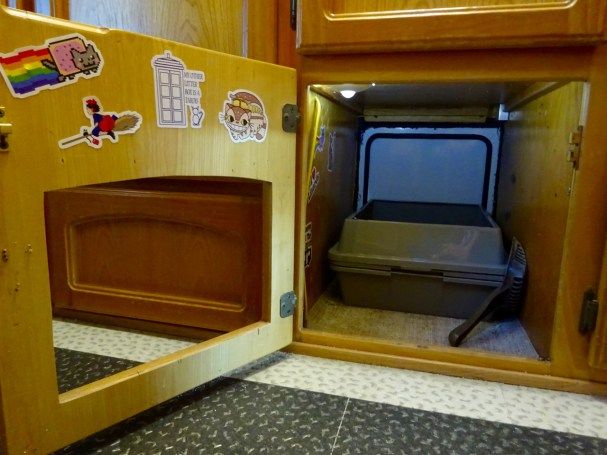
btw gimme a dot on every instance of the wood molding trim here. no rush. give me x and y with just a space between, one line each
446 354
468 371
534 92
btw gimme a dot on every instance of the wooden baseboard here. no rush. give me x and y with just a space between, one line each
450 369
441 354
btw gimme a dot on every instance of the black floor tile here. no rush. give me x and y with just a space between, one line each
227 417
75 368
375 428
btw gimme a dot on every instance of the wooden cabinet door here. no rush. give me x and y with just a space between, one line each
185 252
387 25
598 346
54 141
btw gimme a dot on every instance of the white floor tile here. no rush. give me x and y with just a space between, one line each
559 411
131 345
525 406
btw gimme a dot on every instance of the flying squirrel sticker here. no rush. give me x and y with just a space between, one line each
59 61
244 116
104 125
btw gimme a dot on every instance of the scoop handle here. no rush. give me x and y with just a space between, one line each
458 334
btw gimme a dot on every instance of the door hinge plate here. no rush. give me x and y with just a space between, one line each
574 146
290 118
293 15
287 304
6 128
590 311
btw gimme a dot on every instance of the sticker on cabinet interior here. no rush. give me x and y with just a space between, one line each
320 140
59 62
308 241
314 179
331 157
244 116
308 235
104 125
308 256
177 91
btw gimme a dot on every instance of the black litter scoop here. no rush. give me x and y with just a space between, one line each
506 297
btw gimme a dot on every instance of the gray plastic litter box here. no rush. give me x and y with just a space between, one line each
438 259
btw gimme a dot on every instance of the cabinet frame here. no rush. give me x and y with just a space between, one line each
584 240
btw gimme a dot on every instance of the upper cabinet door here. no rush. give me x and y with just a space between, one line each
331 26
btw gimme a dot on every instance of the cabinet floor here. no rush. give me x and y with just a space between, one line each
287 403
329 314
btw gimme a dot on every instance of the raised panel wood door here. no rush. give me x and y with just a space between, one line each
187 252
388 25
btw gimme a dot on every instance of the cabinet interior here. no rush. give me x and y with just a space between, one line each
524 184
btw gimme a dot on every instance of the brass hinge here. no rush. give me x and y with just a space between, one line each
6 128
590 311
287 304
574 146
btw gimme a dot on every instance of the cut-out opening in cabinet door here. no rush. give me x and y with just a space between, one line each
135 201
143 268
326 26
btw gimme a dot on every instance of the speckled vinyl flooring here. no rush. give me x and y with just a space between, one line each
231 416
75 368
293 404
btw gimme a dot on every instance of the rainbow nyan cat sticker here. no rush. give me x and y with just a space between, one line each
60 61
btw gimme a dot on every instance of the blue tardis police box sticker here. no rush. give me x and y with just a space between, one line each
177 91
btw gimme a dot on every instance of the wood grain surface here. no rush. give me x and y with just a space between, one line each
327 26
212 24
35 417
533 198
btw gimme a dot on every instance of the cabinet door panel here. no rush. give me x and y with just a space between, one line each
50 102
184 257
386 25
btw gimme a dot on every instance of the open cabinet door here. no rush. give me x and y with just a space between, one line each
83 106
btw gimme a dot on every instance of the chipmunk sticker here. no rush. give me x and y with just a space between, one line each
244 116
104 125
60 61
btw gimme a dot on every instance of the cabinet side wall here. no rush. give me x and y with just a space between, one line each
332 152
533 198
